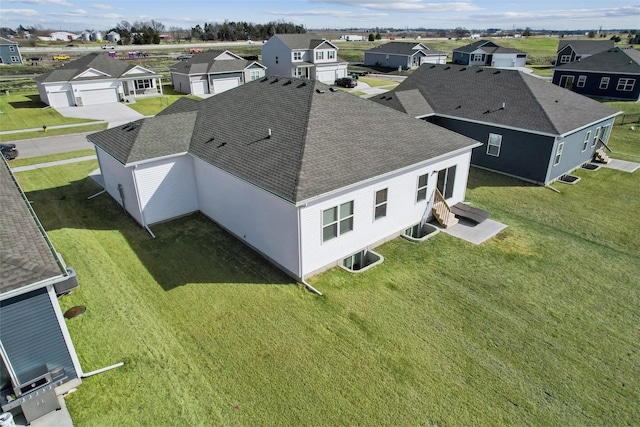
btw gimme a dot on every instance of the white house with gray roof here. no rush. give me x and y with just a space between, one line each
403 54
528 128
305 175
303 55
214 71
97 79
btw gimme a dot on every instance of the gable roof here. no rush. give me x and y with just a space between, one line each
303 41
26 254
403 48
111 67
586 47
4 41
475 45
478 94
616 60
208 62
321 140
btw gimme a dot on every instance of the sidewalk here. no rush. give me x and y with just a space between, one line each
52 127
56 163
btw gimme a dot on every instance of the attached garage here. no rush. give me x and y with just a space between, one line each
60 99
221 85
326 76
99 96
199 87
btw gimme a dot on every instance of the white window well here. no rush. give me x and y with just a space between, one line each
361 261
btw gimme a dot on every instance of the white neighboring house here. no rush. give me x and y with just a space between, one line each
279 164
62 36
303 55
214 71
96 79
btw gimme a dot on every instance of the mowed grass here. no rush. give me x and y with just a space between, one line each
25 111
537 326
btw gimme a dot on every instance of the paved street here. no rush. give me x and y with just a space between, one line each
52 144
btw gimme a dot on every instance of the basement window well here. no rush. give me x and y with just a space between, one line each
420 232
569 179
361 261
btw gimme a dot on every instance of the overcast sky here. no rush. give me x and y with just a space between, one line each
74 15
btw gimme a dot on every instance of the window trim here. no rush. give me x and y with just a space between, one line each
421 191
558 155
141 84
604 83
297 55
338 221
568 84
585 143
15 59
582 80
596 135
478 57
331 54
254 75
625 85
494 144
12 48
565 59
319 55
381 204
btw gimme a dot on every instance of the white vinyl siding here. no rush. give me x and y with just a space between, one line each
494 144
166 188
114 174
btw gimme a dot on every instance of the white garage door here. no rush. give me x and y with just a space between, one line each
60 99
199 87
327 77
99 96
220 85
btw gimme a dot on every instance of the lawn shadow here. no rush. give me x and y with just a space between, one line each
479 177
34 102
187 250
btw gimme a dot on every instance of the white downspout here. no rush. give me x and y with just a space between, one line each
135 185
308 286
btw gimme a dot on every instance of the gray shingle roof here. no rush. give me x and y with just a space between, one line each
403 48
208 62
476 93
112 67
4 41
25 252
321 140
616 60
302 41
475 45
586 47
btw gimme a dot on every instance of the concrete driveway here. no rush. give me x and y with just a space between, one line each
115 113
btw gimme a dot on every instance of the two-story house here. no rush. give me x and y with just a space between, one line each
9 52
575 50
306 56
486 52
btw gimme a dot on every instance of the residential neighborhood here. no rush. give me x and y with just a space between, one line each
268 223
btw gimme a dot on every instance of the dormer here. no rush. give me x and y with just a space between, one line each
324 52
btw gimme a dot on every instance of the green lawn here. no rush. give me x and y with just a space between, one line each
24 110
538 326
7 137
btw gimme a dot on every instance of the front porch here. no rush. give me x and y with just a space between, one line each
146 87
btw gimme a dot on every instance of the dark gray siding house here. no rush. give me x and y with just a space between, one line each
575 50
37 356
613 74
528 128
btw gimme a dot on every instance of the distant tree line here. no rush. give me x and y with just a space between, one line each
139 32
233 31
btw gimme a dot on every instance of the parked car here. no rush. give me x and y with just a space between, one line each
108 46
9 151
34 58
60 57
142 54
184 57
346 82
70 45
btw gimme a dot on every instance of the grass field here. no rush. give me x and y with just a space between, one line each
538 326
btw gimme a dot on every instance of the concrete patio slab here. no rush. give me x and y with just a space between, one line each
472 232
621 165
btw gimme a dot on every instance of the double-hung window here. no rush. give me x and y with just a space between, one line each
380 209
564 59
556 160
423 182
587 138
581 81
477 57
254 75
297 56
494 144
595 137
337 221
625 85
319 55
143 84
604 83
331 54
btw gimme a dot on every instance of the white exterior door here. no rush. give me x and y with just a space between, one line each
199 87
221 85
60 99
99 96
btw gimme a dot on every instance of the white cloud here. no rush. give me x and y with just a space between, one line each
408 6
329 13
561 14
45 2
77 12
101 6
21 12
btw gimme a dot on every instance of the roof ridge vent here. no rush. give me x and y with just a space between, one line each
447 67
497 72
333 89
288 82
462 69
480 70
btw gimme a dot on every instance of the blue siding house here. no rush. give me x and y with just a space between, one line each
9 52
528 128
575 50
37 358
613 74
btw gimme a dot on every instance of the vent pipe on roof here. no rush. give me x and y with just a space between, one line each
269 136
504 105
